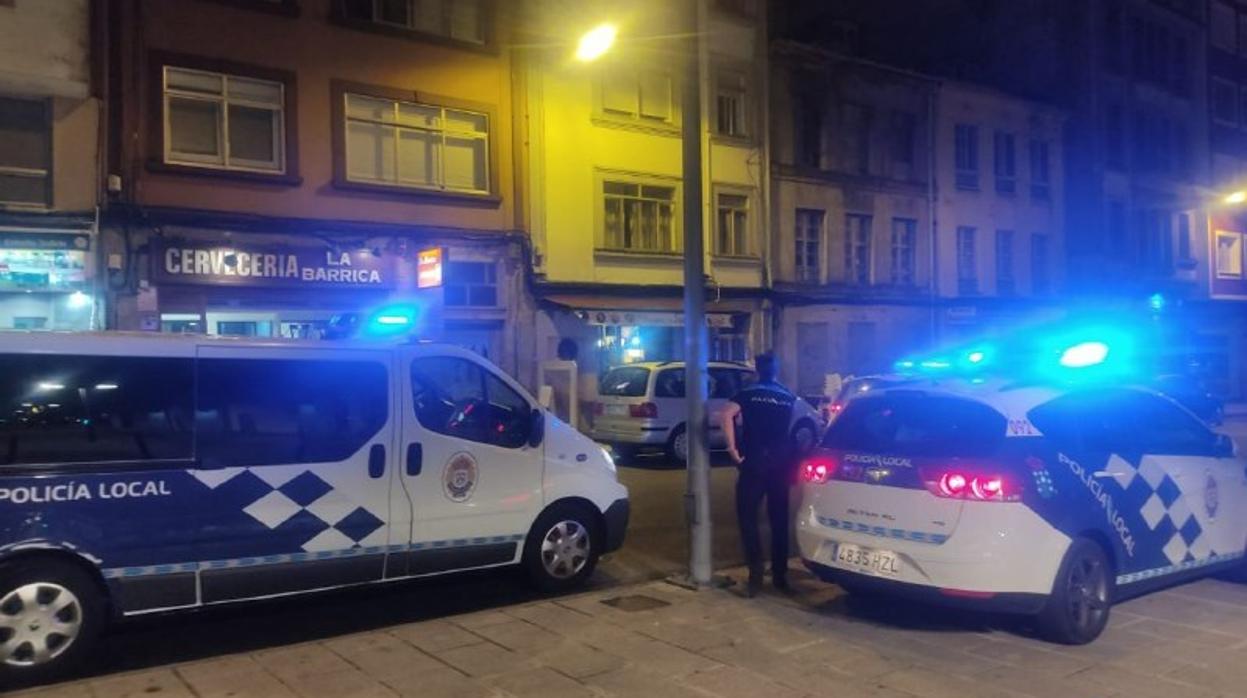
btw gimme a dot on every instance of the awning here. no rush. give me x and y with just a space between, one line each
27 231
659 311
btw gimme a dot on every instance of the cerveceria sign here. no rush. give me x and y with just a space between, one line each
198 263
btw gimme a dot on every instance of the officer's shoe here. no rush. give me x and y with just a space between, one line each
753 586
781 585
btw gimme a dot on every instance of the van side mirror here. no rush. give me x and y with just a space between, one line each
1224 447
536 427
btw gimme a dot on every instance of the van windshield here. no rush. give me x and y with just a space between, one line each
914 424
625 381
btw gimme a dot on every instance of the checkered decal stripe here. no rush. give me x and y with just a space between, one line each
884 532
148 570
1167 511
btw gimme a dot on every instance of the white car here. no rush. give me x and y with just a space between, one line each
1051 501
642 406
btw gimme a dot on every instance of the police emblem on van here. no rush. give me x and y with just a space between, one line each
460 477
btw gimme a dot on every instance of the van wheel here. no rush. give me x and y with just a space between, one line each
1078 608
562 548
677 445
51 616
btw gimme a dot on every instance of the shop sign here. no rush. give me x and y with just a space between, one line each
650 319
44 241
429 266
185 262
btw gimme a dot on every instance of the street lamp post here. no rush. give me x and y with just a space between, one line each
592 46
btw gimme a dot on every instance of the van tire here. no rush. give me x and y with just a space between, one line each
1077 610
86 616
563 547
675 452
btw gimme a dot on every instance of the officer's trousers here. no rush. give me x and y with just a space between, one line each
756 482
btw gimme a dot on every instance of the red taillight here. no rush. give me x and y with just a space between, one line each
973 486
817 470
645 410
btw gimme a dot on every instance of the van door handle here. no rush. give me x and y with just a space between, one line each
415 458
376 461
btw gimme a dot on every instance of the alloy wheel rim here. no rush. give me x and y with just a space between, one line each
38 622
1088 593
681 445
565 549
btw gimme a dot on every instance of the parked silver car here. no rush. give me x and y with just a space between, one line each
641 406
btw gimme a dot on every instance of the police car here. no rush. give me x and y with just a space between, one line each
149 473
1055 498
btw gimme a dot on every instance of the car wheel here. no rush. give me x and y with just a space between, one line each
677 445
563 547
803 436
1077 610
51 616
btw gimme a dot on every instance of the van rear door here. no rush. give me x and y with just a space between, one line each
296 445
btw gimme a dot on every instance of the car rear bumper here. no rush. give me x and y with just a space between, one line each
616 518
995 548
641 433
1002 602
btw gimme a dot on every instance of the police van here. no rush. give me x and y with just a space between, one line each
1049 498
149 473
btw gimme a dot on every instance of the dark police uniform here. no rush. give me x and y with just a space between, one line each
769 459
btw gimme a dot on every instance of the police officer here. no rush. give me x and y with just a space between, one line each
766 457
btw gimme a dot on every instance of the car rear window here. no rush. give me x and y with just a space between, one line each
626 381
913 424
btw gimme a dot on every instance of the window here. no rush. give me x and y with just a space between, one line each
1223 27
1040 176
1004 262
25 152
460 20
669 383
1224 102
1041 282
459 398
223 121
967 259
729 346
421 146
1229 255
907 423
277 411
641 95
967 156
904 241
808 131
1122 421
725 383
625 381
94 409
853 138
857 248
732 225
471 284
731 116
904 126
809 237
1005 163
639 217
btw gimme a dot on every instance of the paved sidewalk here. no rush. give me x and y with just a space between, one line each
660 640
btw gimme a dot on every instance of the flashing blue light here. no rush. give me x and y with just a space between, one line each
1156 302
936 364
976 357
636 340
1084 354
392 320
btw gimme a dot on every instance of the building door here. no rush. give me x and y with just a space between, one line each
813 357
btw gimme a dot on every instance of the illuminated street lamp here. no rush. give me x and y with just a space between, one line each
596 42
1237 197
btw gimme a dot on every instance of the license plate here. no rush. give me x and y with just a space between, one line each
880 562
617 410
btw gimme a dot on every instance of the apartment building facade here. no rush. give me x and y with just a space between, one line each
49 167
274 163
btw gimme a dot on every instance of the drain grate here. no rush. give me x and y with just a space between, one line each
635 602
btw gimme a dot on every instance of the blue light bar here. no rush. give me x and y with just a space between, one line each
392 320
1084 354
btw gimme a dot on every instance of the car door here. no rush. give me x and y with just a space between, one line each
294 445
470 466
